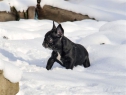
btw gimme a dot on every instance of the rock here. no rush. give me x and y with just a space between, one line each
47 12
6 87
31 12
61 15
22 15
5 37
4 16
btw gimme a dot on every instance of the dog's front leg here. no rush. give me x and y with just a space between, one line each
50 63
51 60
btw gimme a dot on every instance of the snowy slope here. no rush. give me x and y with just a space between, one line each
106 76
22 54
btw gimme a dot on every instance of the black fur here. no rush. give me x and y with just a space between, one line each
71 54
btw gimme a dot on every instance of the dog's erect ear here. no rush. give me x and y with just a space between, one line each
59 31
54 27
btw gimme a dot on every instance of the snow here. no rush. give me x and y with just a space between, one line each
20 5
105 10
23 54
23 58
10 71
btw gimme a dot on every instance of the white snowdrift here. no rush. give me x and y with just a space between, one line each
23 48
10 71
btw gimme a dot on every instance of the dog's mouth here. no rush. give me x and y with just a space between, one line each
50 47
45 45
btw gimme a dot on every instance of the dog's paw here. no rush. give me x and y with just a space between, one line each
48 68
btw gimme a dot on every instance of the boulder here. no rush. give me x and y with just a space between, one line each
61 15
7 87
31 12
4 16
21 15
47 12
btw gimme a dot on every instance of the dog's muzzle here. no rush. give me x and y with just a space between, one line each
45 45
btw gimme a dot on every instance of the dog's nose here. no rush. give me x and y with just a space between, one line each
42 44
45 45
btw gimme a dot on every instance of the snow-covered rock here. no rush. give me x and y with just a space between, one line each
7 87
107 10
10 71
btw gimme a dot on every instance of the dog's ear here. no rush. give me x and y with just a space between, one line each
54 27
59 31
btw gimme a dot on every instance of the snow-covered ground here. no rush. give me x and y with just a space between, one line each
107 10
22 47
23 59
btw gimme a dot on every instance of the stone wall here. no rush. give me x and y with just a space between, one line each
6 87
4 16
17 15
31 12
47 12
61 15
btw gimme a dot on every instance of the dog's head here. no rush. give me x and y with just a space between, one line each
53 38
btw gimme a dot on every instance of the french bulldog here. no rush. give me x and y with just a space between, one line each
65 52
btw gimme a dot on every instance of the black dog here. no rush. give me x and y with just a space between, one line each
65 52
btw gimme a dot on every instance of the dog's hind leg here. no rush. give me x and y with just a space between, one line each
86 63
